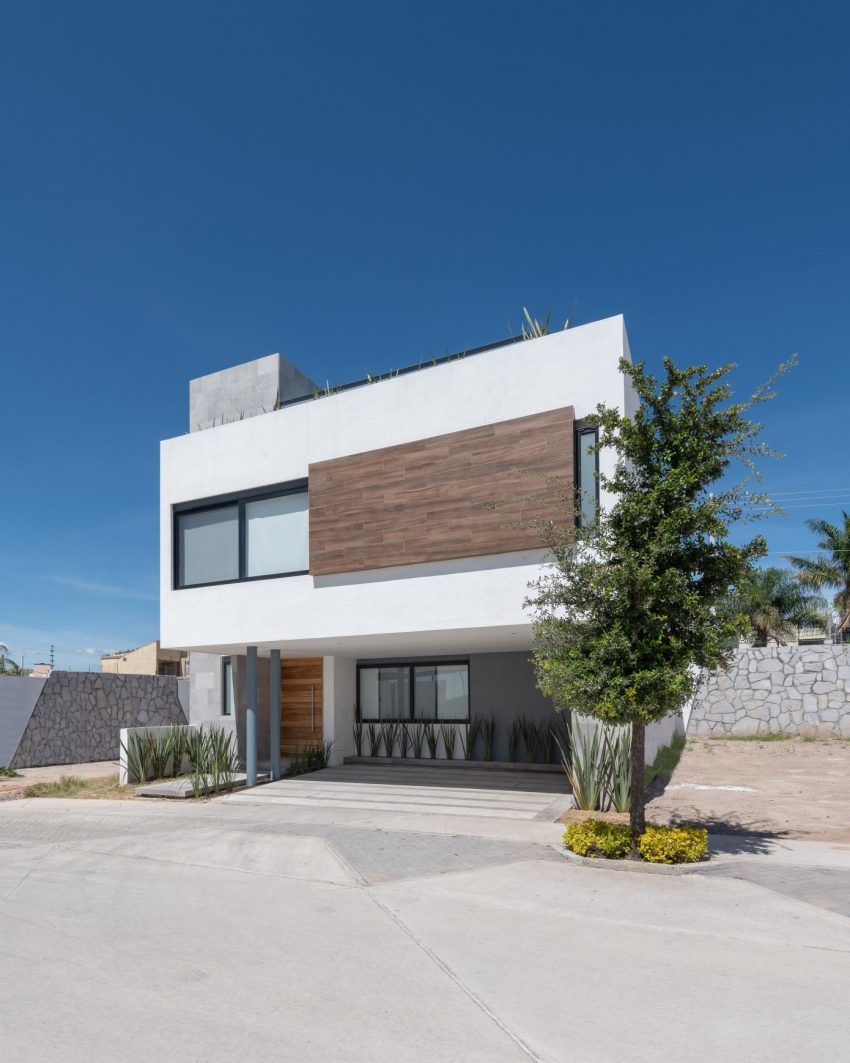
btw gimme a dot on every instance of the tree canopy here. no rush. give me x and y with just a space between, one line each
775 604
830 567
635 602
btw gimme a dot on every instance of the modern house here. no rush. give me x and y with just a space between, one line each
367 549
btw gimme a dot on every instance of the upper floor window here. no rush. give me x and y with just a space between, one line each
587 475
255 536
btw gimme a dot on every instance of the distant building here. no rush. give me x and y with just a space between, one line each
149 659
40 671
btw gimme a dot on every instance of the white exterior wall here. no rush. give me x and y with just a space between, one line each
473 604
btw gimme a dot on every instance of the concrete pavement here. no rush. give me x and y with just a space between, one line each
229 929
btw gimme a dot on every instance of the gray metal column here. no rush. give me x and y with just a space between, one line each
274 711
251 718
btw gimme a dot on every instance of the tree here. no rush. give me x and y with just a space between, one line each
634 604
775 604
831 568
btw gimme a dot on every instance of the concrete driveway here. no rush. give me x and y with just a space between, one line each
240 930
436 791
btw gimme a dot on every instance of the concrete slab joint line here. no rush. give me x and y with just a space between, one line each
444 967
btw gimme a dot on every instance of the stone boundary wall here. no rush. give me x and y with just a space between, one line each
798 690
78 715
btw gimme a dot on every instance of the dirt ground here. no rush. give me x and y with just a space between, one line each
791 789
101 769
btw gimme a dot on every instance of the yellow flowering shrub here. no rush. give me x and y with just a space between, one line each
657 845
593 837
673 845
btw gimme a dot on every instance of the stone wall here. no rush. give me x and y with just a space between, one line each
78 715
799 690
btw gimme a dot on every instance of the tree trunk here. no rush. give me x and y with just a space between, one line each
637 818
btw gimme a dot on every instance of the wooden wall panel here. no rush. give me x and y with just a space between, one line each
464 494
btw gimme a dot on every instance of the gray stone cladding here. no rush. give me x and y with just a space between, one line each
78 715
798 690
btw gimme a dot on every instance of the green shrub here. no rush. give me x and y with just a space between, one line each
673 845
657 845
596 838
310 756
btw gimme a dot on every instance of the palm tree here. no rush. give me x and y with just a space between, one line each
7 665
831 567
776 604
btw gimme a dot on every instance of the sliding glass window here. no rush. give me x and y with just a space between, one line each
256 536
437 691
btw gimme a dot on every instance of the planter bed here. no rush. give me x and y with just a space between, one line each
639 866
441 762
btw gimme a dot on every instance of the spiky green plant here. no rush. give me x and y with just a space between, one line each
310 756
374 735
488 733
448 732
178 748
617 787
514 736
547 742
136 756
470 737
403 739
431 738
584 768
358 737
159 752
390 730
530 732
417 738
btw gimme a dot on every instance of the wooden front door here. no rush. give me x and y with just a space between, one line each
300 702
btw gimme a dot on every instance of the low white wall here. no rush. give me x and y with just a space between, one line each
658 734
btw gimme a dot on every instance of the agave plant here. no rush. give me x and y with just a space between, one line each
488 733
158 752
584 768
417 739
390 730
547 742
135 754
530 732
514 736
470 737
358 737
310 756
431 738
178 748
403 740
374 736
448 732
617 742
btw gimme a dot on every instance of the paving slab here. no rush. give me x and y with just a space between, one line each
205 931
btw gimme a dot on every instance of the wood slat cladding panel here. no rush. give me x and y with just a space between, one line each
300 702
464 494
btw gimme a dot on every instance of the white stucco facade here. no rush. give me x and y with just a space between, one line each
472 605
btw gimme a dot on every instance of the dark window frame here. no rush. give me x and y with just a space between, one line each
227 665
239 499
581 430
411 665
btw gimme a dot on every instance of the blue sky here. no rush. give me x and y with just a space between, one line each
188 185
